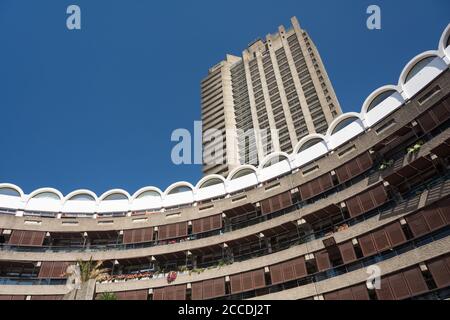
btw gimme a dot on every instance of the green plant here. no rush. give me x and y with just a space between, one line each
183 268
415 148
108 296
386 164
91 270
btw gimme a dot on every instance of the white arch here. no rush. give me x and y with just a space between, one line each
341 118
307 139
444 51
375 94
79 193
178 184
146 189
412 63
13 187
45 190
271 156
115 191
208 178
241 168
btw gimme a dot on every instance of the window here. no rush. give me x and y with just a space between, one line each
116 196
47 195
82 197
418 67
344 123
147 194
9 192
379 99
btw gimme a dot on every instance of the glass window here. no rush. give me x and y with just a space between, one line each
116 196
180 189
418 67
309 144
9 192
343 124
47 195
211 182
147 194
82 197
380 98
242 173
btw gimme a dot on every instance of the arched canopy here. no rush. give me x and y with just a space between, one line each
273 159
418 67
11 190
343 121
308 141
415 65
382 96
116 194
46 193
444 42
82 195
242 171
210 180
148 192
179 187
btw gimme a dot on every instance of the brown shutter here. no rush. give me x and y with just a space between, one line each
367 245
433 218
331 295
6 297
316 186
180 292
444 209
418 225
360 292
347 252
208 289
158 294
354 207
27 238
399 287
440 271
299 266
247 281
415 281
367 202
288 271
132 295
259 279
172 231
138 235
379 195
276 274
197 291
276 203
322 260
354 167
395 234
235 282
345 294
207 224
53 270
46 298
381 240
385 292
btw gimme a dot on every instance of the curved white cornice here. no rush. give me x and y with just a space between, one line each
364 120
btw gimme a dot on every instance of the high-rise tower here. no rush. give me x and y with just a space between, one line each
265 101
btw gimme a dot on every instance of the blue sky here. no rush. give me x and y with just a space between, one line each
95 108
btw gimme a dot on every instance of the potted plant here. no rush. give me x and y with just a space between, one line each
386 164
171 277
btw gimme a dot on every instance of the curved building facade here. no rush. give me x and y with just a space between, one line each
373 190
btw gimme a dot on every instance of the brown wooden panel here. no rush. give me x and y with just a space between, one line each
235 282
360 292
259 280
415 281
367 202
197 291
158 294
381 240
354 207
207 224
27 238
219 288
399 287
46 298
331 295
53 270
6 297
138 235
323 260
132 295
345 294
433 218
444 209
276 274
440 272
395 234
172 231
276 203
247 281
367 245
385 292
299 266
180 292
347 252
418 224
208 289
